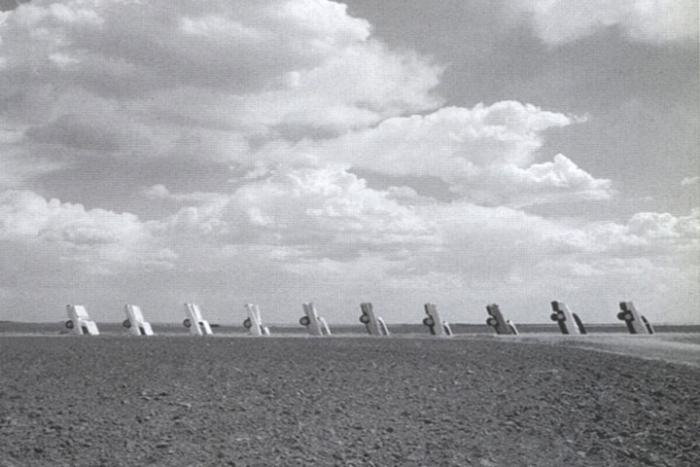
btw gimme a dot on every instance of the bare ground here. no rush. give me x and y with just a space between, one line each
179 401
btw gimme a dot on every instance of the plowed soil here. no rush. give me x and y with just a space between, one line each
236 401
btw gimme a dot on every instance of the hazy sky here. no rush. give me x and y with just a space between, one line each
399 152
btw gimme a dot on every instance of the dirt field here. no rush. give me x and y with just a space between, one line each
236 401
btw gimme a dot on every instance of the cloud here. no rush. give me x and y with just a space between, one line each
297 83
488 246
654 21
97 238
653 225
690 180
218 44
157 192
519 259
111 88
486 154
301 227
223 65
316 213
271 148
560 180
295 219
27 215
645 234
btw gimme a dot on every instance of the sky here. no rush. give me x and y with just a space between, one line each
400 152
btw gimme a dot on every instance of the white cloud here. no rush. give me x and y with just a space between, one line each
25 214
290 99
297 227
560 180
232 66
355 89
97 238
300 219
157 192
664 225
645 234
216 81
490 246
324 212
690 180
485 153
654 21
62 60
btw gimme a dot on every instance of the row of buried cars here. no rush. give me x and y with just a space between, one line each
79 321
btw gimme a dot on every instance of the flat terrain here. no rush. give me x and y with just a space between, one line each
468 401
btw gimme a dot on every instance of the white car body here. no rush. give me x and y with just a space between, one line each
565 318
316 325
635 321
374 324
254 321
197 325
79 321
438 327
135 322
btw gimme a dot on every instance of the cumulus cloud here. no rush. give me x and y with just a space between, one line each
485 154
560 180
255 122
330 217
653 21
504 253
664 225
150 46
278 82
95 237
306 225
658 235
324 212
26 214
191 71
